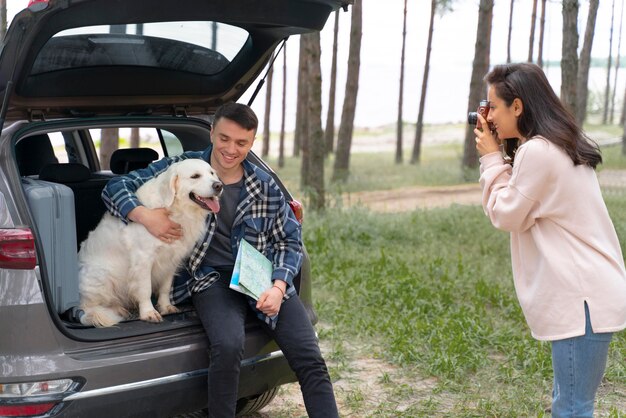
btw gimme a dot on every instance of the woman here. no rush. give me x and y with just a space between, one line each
567 263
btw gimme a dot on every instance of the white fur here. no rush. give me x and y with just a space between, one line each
120 265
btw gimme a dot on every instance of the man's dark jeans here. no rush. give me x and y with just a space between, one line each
223 313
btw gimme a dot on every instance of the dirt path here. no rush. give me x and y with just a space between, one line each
364 384
411 198
419 197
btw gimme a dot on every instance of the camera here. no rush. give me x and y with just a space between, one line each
483 109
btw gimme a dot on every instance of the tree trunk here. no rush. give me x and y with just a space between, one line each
301 127
622 118
478 88
508 41
134 138
315 174
542 27
3 18
265 150
617 62
329 133
399 123
624 129
569 59
281 146
214 36
417 144
303 110
109 142
585 61
607 90
531 40
346 127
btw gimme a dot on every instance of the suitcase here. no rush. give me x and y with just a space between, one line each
52 207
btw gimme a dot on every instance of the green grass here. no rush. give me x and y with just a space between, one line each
612 158
432 291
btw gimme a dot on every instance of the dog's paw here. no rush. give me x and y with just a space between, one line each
151 316
169 309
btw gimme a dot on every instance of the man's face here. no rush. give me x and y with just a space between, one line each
231 144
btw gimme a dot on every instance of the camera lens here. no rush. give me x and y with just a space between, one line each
472 118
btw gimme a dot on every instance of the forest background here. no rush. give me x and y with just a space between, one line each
439 331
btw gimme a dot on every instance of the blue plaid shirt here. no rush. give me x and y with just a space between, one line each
263 218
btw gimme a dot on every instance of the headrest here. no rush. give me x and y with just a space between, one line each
32 153
125 160
65 173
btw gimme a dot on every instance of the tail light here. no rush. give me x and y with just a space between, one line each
297 209
34 398
17 249
25 410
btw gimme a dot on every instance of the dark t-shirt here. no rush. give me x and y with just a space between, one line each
220 252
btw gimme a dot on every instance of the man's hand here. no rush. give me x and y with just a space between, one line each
157 222
270 300
486 142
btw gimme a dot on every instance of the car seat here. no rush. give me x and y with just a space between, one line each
125 160
34 152
88 203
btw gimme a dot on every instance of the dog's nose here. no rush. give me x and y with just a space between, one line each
217 186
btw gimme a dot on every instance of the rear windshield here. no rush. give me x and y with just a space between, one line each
197 47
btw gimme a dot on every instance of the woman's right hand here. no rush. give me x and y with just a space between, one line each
157 222
486 141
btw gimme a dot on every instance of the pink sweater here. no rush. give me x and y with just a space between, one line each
564 249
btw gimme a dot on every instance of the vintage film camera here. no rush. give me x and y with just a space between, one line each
509 144
483 109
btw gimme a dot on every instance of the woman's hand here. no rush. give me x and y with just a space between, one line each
486 141
270 300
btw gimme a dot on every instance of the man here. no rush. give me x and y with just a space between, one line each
252 208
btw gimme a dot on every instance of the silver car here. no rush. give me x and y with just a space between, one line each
77 76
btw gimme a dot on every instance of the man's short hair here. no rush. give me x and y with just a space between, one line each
239 113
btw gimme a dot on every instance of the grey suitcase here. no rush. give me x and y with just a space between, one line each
52 207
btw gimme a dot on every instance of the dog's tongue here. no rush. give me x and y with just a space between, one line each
212 204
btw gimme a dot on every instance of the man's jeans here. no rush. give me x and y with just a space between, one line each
578 365
223 312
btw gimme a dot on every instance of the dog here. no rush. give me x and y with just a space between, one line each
120 264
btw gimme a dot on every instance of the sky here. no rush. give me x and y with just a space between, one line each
451 58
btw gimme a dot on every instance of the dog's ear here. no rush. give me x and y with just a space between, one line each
173 187
169 187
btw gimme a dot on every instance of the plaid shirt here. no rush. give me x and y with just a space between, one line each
263 218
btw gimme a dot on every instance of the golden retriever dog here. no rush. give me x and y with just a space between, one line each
120 265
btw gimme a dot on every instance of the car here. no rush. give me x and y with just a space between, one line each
73 75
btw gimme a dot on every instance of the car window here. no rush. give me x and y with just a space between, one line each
106 141
59 146
197 47
172 143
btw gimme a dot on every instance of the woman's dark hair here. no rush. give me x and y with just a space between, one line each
243 115
543 113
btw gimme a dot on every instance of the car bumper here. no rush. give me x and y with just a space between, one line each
171 395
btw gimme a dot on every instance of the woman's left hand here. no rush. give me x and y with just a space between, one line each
270 301
486 141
